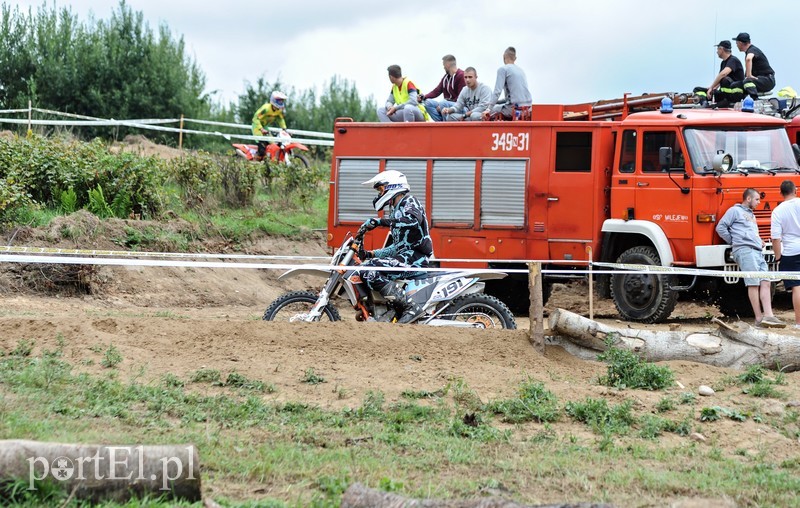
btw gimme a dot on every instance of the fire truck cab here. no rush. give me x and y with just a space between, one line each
643 188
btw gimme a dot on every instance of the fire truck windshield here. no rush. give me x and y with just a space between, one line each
754 150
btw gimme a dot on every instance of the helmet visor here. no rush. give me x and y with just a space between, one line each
280 103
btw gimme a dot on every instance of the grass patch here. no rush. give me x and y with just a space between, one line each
111 357
437 449
534 402
311 377
602 418
626 370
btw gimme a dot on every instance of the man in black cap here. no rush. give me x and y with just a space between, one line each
722 90
758 75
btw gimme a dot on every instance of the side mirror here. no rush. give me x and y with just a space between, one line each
665 157
796 150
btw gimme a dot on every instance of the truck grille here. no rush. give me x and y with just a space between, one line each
763 218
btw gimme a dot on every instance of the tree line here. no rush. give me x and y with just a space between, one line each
122 68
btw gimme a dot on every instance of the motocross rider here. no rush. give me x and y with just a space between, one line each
271 112
411 246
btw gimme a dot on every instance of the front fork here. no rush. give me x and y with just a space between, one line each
324 297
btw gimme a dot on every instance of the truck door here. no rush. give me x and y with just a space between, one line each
571 196
659 197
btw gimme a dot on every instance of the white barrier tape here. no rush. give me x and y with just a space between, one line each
135 254
629 268
652 269
127 123
12 111
317 134
67 260
13 249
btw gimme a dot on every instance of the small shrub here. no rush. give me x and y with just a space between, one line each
172 381
533 403
754 374
602 418
68 201
687 398
240 381
111 357
311 377
665 404
98 204
714 413
24 348
206 376
764 389
626 370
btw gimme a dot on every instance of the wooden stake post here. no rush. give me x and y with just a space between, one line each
180 135
537 306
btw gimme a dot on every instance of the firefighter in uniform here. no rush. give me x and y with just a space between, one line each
411 247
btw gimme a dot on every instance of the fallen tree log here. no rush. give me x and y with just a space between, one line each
103 473
737 346
359 496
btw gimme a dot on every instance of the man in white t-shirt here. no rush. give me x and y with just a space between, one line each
785 236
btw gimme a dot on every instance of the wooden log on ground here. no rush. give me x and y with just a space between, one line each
736 346
104 472
359 496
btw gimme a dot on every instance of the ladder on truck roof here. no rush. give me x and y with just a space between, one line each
621 107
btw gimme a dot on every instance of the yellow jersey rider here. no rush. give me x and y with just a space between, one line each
271 112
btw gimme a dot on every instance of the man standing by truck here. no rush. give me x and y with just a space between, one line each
786 240
758 75
739 229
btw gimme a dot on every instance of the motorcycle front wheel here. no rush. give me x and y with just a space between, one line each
294 304
481 309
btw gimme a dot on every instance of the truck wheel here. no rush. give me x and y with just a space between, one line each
645 298
733 300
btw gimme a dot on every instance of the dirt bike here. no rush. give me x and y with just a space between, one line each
280 151
448 298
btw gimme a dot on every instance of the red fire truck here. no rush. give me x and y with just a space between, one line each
641 187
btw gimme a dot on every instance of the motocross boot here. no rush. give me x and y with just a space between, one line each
409 309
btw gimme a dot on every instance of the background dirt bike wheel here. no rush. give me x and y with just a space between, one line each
481 305
301 160
298 302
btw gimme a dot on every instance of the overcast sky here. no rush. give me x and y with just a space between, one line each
572 50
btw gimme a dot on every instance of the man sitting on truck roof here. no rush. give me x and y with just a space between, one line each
758 75
472 101
450 85
402 104
511 79
722 90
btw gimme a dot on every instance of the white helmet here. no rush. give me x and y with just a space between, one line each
278 100
388 184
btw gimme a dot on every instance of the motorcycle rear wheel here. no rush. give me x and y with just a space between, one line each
481 308
298 302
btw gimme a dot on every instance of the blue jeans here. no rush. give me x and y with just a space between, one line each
430 107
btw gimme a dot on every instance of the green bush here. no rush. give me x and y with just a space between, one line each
534 402
58 173
602 418
626 370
